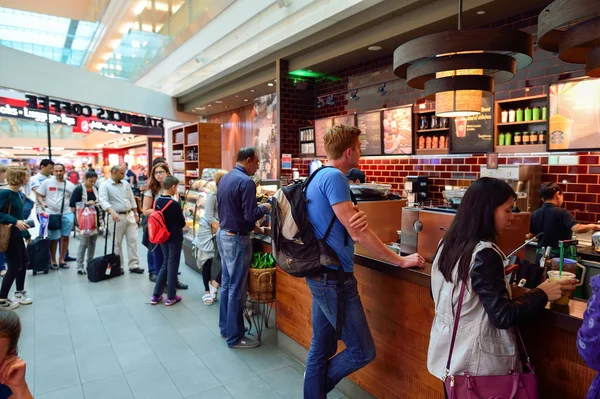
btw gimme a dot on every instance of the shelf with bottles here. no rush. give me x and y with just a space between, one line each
428 121
432 141
177 155
522 140
191 154
307 141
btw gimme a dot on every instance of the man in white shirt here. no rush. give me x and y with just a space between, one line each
116 198
55 195
46 168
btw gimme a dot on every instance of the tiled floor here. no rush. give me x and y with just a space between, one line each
104 340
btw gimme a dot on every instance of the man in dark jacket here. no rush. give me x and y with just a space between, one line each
238 213
175 223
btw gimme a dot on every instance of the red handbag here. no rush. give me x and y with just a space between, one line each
510 386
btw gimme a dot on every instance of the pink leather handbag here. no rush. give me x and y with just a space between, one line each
510 386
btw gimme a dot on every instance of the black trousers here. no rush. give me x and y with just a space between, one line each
206 273
16 264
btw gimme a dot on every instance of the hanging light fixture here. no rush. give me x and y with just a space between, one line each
571 28
457 68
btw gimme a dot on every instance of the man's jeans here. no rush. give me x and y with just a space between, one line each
323 373
236 256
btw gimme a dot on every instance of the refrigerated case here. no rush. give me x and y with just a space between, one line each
193 210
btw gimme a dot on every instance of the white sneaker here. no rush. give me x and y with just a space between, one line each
9 305
22 298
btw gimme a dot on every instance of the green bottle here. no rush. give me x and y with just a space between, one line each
501 139
536 114
527 114
508 138
519 115
544 113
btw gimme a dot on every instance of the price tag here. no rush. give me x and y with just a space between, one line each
108 270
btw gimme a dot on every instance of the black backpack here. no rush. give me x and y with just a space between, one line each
295 247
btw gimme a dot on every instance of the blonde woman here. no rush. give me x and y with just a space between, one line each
206 243
11 213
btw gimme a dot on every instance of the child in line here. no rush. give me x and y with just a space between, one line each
171 249
12 367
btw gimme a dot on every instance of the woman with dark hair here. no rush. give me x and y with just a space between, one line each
468 255
12 368
87 196
157 175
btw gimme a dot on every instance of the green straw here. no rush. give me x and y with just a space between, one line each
561 245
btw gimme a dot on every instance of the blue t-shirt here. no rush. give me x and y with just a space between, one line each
329 187
5 392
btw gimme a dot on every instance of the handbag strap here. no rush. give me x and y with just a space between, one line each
62 206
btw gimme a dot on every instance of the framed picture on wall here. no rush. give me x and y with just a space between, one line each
349 120
321 126
474 134
398 131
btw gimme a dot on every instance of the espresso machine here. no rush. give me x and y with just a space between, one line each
525 179
416 189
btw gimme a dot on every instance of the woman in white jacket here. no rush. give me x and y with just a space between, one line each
485 343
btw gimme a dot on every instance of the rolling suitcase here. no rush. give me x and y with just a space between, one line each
38 252
106 266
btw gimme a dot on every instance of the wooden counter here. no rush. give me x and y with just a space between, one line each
400 312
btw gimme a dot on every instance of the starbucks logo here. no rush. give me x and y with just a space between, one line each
557 137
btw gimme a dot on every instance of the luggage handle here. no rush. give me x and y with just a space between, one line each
114 236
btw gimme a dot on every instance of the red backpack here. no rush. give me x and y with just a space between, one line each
157 228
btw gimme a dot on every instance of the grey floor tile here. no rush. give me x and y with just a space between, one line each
109 388
98 363
123 332
201 340
54 374
252 388
30 376
220 393
335 395
52 346
114 313
74 392
287 382
264 358
86 337
226 366
153 382
191 376
136 355
170 347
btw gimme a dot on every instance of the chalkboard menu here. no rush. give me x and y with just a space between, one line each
349 120
370 137
474 134
321 126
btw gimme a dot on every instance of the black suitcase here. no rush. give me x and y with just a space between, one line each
97 267
38 252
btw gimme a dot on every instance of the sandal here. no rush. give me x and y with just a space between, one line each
208 299
2 273
213 292
64 266
54 266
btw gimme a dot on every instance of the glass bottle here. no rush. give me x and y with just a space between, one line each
535 115
508 138
534 137
518 138
544 113
519 115
542 137
526 137
501 139
527 114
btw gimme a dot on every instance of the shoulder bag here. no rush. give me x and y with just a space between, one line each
55 221
5 231
510 386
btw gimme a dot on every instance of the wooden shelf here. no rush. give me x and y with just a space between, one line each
191 161
426 112
523 123
524 148
516 100
433 130
433 151
178 143
191 145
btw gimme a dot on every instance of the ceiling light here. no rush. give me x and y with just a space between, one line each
139 7
100 66
354 95
106 56
219 102
381 90
462 63
571 29
236 96
374 48
227 106
147 27
252 91
210 105
245 99
270 84
480 12
114 43
161 6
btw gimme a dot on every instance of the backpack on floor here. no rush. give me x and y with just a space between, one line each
38 252
105 266
157 227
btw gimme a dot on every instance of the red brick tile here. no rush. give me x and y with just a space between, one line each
594 170
576 188
458 161
475 168
586 217
588 159
531 160
471 161
587 198
512 160
464 168
377 161
451 168
482 160
593 208
588 179
567 178
446 175
558 169
501 161
578 169
446 161
575 206
440 168
594 188
570 197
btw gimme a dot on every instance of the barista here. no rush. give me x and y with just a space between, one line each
356 176
555 222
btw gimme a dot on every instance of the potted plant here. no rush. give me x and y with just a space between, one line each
261 278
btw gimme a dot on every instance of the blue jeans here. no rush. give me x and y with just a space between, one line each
323 372
236 256
155 259
168 271
2 262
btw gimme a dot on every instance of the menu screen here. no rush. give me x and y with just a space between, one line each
574 110
397 130
474 134
370 136
349 120
321 126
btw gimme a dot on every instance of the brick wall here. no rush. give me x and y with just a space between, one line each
581 182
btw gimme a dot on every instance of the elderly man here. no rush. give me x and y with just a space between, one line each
116 198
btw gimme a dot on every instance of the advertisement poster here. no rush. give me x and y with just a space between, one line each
397 130
349 120
574 110
474 134
321 126
370 133
265 136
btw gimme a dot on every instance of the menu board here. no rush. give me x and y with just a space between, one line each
370 136
474 134
574 110
349 120
321 126
397 130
